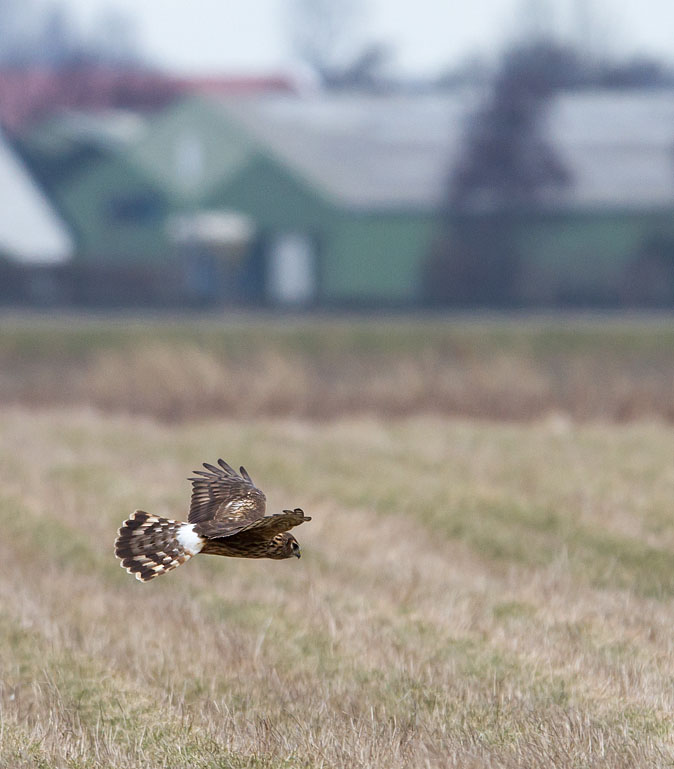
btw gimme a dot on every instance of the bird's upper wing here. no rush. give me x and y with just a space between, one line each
224 502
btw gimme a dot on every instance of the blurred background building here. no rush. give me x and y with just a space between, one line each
537 174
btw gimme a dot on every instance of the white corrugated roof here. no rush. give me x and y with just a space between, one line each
30 230
397 151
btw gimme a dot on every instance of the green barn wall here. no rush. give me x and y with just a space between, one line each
377 257
362 257
585 254
273 197
87 202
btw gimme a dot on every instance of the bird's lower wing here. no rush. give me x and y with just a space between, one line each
267 527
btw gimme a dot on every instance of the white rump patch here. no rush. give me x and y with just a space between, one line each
189 539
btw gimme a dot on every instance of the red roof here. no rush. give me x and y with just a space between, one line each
30 95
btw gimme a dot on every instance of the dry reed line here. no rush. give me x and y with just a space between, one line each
182 381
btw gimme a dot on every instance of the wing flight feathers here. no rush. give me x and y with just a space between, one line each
225 502
245 475
224 499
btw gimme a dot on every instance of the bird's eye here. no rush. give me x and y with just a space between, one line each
295 546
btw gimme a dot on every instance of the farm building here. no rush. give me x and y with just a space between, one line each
335 196
35 244
116 215
335 200
608 237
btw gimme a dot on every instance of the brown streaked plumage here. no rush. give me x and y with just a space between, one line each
226 517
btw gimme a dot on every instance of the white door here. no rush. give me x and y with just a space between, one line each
291 269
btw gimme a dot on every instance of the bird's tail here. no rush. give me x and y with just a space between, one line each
149 546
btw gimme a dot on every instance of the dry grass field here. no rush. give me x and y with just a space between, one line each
472 593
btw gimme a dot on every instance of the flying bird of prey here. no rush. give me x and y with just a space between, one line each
227 517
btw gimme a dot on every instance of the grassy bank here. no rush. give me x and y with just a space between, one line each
587 369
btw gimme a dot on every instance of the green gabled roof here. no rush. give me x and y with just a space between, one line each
68 144
106 130
191 148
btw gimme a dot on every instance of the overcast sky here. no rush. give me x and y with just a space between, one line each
201 36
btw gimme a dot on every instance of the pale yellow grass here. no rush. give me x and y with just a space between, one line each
174 369
469 596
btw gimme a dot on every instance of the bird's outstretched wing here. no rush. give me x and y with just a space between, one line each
271 525
224 501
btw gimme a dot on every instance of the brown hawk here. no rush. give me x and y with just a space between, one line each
227 517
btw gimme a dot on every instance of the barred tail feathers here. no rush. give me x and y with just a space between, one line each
148 545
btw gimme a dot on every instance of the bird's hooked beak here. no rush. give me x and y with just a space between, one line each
297 553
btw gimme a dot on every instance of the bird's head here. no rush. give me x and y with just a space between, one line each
284 546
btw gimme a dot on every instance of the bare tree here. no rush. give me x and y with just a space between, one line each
508 160
535 20
330 37
115 38
17 29
59 41
506 169
46 34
